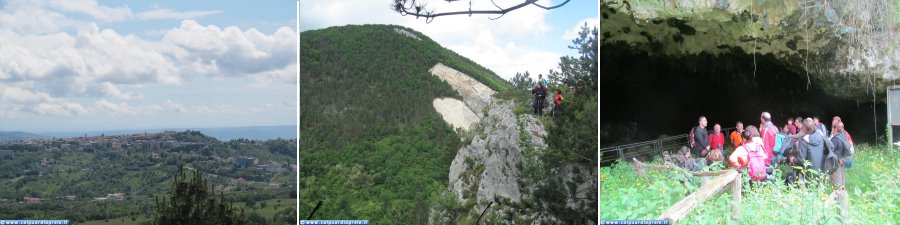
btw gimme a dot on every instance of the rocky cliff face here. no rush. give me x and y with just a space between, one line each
487 167
490 177
489 172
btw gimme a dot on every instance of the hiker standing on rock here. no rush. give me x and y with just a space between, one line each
540 93
557 100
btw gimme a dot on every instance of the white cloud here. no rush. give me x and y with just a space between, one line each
171 14
121 109
93 9
47 55
16 99
69 64
286 75
49 16
108 89
573 33
229 51
20 95
198 109
58 108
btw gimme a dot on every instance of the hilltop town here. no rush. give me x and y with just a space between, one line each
137 167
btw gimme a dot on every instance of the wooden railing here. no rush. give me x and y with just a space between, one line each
724 180
609 154
729 179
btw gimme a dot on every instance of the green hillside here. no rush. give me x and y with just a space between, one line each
372 145
93 167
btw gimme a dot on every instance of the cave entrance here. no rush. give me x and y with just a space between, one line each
645 96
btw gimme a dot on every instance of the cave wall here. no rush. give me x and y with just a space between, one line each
837 42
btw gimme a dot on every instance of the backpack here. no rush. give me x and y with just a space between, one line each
779 141
756 165
691 137
831 163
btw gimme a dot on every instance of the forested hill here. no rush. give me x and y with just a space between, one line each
372 145
357 77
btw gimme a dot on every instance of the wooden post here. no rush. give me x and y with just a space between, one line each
840 196
736 196
683 207
621 155
844 203
641 168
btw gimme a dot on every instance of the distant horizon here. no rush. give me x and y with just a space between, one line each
136 129
262 132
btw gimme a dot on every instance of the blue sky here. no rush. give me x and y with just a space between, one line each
85 65
530 38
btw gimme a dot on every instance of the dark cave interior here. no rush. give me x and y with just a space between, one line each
644 96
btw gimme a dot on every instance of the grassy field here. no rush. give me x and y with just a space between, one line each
872 184
272 206
126 220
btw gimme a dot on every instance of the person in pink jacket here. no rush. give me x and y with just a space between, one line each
739 158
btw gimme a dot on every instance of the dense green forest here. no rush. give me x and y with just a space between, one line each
373 146
142 174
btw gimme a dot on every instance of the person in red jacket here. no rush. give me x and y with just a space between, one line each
716 144
835 120
767 132
557 102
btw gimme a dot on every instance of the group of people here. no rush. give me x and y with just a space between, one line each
801 143
540 95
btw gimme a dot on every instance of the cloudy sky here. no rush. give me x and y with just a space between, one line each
84 65
529 39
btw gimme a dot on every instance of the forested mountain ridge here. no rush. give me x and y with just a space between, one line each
358 74
372 145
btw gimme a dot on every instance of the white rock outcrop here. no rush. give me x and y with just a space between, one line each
455 112
475 94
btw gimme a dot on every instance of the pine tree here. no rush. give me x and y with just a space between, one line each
191 202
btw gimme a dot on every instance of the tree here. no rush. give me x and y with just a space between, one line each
191 202
522 81
418 8
255 218
583 70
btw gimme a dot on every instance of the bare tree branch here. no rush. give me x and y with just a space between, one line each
418 9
